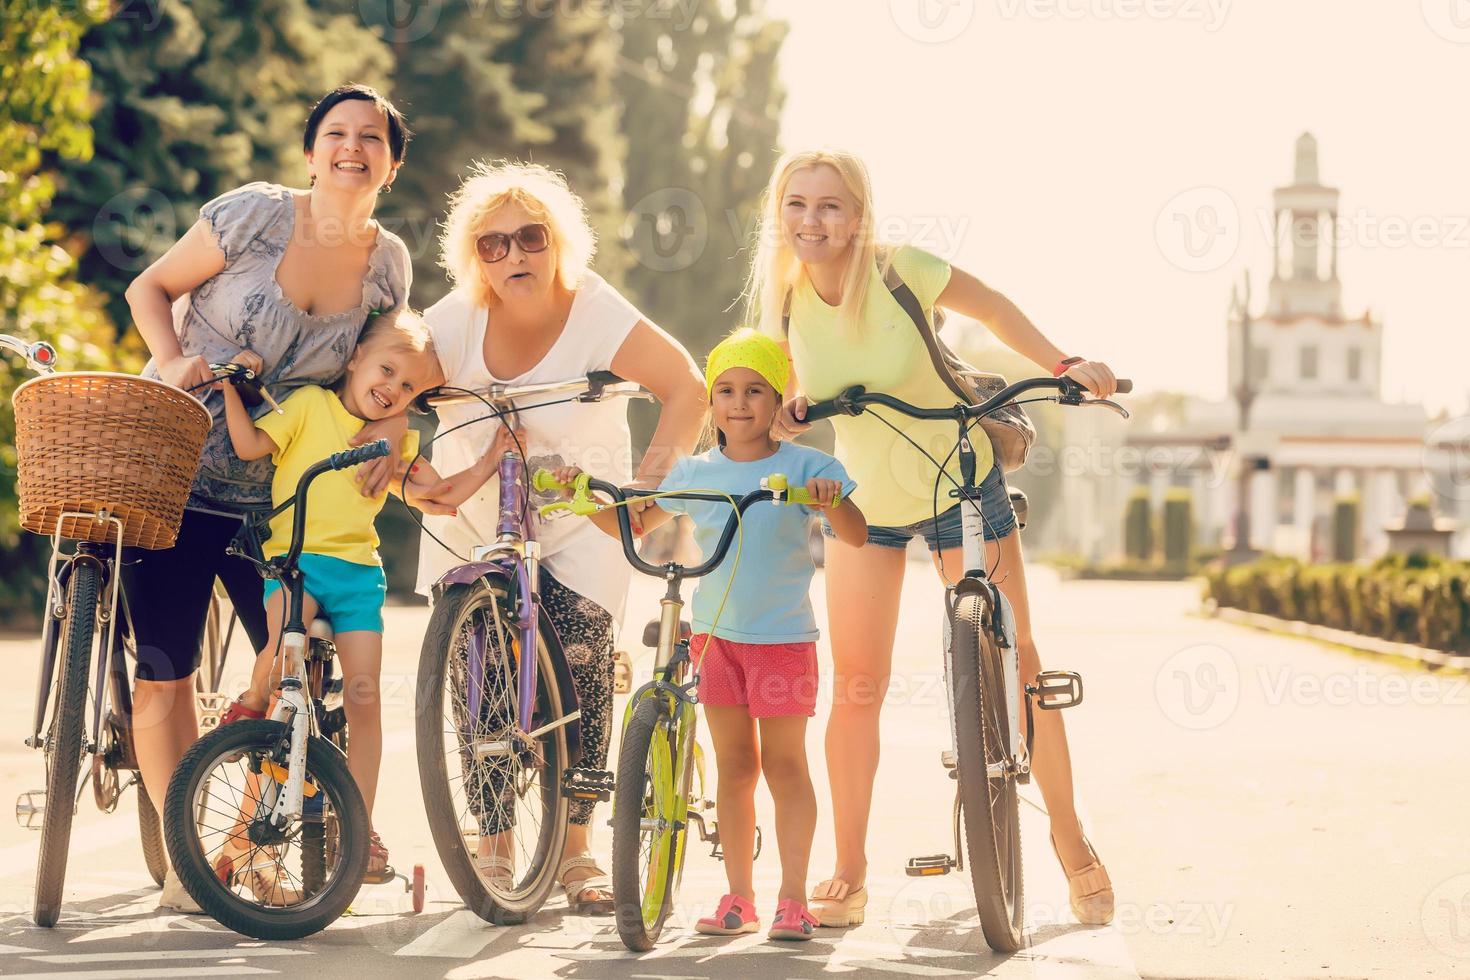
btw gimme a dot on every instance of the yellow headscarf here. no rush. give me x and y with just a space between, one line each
748 349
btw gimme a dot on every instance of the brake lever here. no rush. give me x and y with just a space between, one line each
1106 403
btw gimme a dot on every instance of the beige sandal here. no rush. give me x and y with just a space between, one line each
836 904
600 884
499 871
1090 889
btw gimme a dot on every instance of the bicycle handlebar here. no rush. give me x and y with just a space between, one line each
40 356
855 399
336 461
543 480
358 454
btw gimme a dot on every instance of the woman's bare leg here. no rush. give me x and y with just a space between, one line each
165 724
1050 759
863 590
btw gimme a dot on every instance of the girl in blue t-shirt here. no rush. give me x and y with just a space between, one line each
754 640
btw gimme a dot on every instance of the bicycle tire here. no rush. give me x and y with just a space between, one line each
150 829
64 739
534 883
989 804
642 899
328 770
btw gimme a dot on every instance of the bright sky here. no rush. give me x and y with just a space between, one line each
1060 150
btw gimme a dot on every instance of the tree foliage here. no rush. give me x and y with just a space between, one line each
43 115
194 99
701 110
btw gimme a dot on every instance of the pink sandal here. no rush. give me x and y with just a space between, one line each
237 711
793 921
734 917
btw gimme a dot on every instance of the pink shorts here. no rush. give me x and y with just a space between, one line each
770 679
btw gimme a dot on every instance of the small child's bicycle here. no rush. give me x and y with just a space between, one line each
264 822
653 802
989 754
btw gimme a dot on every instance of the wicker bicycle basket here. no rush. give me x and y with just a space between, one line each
92 442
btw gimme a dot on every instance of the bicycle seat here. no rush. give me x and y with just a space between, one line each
650 632
1020 505
321 629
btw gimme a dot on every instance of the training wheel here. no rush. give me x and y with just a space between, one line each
418 888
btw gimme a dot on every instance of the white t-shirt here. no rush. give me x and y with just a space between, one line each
592 435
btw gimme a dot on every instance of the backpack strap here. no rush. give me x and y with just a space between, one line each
910 304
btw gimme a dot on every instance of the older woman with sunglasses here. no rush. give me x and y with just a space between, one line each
527 309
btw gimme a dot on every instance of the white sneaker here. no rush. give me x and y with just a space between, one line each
175 898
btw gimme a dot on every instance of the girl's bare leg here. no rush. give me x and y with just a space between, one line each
737 768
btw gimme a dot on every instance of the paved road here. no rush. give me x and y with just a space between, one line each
1268 807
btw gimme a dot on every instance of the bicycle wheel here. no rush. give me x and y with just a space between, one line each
987 785
150 828
648 825
249 875
64 738
479 777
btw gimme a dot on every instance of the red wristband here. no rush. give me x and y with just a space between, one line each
1065 363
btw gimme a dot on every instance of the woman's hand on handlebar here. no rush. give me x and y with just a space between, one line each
185 372
1095 376
789 422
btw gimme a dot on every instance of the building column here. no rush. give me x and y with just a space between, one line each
1304 507
1263 509
1383 505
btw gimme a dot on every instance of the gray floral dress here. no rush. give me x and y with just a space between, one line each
243 308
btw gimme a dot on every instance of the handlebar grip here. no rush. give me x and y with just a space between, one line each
544 480
798 495
361 454
823 410
1125 385
604 378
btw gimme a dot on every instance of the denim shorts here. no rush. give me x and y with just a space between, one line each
998 518
350 594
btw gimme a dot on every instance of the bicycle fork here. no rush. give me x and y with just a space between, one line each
283 799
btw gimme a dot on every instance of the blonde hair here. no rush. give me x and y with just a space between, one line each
543 194
775 270
402 331
399 330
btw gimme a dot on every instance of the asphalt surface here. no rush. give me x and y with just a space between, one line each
1267 807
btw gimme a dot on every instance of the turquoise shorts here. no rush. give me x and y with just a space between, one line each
350 595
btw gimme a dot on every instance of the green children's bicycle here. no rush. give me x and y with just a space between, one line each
654 803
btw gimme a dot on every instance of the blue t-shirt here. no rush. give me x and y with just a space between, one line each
769 601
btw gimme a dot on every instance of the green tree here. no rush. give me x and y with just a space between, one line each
194 99
701 111
481 81
43 115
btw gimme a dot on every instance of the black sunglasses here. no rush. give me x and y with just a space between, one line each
496 245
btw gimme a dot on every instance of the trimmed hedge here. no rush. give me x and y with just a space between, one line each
1419 599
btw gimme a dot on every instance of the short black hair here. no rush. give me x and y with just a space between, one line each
398 134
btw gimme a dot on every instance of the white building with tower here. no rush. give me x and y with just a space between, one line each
1316 423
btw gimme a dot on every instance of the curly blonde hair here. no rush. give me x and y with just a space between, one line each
543 194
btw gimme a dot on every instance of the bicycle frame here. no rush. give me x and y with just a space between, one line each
515 555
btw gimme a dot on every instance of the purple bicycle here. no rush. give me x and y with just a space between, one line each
499 733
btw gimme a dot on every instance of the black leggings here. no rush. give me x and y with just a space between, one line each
168 595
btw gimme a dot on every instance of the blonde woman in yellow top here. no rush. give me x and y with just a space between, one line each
817 252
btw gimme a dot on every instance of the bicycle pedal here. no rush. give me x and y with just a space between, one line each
932 864
948 759
1057 689
30 809
622 672
588 784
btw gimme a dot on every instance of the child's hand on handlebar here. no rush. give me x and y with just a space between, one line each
567 475
789 422
823 492
637 505
1095 376
249 360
